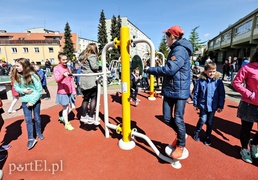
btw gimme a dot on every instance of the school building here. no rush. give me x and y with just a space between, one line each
238 40
140 48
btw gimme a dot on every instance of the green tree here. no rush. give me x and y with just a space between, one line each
119 25
68 47
102 32
195 40
163 48
114 32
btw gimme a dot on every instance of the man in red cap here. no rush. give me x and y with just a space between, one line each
176 85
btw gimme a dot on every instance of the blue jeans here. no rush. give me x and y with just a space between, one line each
205 117
28 118
177 123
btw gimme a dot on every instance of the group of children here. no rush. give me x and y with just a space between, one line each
208 95
16 95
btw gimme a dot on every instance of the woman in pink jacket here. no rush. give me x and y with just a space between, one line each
65 89
248 106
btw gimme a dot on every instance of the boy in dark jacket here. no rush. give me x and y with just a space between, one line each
209 97
135 79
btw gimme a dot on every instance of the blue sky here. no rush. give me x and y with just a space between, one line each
151 17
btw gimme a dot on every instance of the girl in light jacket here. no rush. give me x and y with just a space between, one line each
28 85
248 106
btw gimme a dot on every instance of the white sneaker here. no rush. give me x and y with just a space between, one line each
84 119
136 102
246 156
12 111
89 120
96 121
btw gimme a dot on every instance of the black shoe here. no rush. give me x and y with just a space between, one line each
196 136
2 149
207 142
31 143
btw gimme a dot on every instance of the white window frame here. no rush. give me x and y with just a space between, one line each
14 50
25 50
36 49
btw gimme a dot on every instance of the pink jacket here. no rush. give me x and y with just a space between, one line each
248 74
65 85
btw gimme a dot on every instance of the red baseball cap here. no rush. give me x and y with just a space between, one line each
176 31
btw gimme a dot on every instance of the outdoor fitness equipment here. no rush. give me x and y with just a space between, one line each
146 55
127 141
137 62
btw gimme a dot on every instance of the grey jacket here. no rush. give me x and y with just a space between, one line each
88 67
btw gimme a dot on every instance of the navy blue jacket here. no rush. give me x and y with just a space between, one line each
176 71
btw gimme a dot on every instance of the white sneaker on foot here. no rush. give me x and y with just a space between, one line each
246 155
89 120
12 111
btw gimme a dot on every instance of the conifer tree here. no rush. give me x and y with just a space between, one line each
119 25
163 48
68 43
114 32
102 32
195 40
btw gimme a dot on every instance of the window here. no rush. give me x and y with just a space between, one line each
217 41
52 60
211 44
243 28
36 49
14 50
51 50
25 50
226 36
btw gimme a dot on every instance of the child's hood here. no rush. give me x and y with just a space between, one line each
204 76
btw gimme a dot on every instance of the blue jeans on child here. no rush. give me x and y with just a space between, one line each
177 123
28 118
205 117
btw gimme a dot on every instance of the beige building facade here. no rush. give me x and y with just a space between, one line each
36 44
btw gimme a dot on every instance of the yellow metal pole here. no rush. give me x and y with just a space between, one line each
125 63
151 86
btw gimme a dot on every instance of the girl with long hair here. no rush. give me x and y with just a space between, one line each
28 84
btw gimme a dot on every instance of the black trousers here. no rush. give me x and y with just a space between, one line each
47 91
245 134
